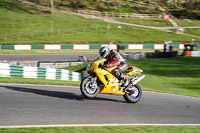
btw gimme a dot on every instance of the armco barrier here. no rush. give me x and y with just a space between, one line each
157 54
7 70
86 46
195 53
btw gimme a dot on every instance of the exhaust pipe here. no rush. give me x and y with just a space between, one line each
134 81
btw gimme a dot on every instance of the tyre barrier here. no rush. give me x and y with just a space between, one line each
7 70
86 46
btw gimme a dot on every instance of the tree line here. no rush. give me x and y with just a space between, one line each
189 4
186 7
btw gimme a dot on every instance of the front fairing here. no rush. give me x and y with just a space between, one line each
109 83
94 65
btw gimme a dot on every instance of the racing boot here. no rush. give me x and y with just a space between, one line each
123 83
126 81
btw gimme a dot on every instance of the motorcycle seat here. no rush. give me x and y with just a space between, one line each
129 69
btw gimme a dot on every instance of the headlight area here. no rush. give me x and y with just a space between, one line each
88 67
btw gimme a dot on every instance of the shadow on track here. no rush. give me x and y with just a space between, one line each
56 94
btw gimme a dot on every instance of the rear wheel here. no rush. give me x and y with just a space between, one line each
133 94
89 87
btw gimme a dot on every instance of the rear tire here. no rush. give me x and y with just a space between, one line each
133 94
87 90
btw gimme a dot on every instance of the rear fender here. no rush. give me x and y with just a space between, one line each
134 71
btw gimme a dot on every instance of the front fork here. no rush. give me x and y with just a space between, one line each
93 82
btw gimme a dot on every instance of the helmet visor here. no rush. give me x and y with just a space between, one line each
103 53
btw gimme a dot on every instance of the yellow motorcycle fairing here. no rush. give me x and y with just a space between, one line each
95 65
131 71
110 82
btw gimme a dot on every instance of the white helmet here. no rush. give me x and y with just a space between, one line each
104 51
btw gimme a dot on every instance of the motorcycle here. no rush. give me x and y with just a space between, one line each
102 81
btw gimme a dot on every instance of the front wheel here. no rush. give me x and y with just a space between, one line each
133 94
89 87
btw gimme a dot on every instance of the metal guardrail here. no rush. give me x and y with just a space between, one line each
119 15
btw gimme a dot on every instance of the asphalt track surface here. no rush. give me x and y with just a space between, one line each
54 105
58 57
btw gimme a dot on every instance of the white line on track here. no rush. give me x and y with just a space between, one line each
96 125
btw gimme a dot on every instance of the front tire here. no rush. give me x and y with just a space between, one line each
133 94
87 89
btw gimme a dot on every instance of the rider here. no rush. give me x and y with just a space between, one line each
115 59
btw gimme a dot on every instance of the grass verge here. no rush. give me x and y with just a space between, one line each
147 22
71 51
188 22
195 32
74 51
171 75
38 81
35 27
78 68
121 129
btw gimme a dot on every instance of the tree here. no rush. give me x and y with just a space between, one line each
175 3
52 6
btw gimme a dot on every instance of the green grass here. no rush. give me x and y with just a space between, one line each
35 27
124 129
38 81
78 68
171 75
147 22
48 51
188 22
195 32
90 51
